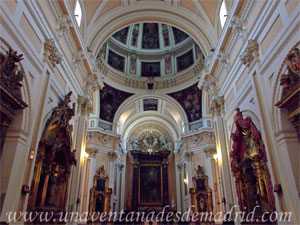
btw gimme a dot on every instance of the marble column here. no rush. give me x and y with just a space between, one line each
216 109
80 142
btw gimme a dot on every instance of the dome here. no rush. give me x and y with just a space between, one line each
155 50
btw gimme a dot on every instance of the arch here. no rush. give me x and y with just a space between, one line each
279 116
124 107
140 119
201 32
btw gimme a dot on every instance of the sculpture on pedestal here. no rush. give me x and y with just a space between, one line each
249 167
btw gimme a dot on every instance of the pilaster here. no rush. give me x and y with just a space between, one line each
222 156
77 184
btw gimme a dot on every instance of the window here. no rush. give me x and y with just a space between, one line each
223 14
78 12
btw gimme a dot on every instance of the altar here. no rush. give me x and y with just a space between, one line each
150 180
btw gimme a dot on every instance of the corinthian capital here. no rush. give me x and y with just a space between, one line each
223 59
210 85
63 26
250 54
91 84
238 26
51 53
85 104
216 107
78 58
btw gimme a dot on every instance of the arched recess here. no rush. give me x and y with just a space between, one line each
141 119
250 168
285 138
99 31
130 110
280 120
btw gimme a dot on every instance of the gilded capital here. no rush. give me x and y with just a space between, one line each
210 85
216 107
51 53
85 104
250 54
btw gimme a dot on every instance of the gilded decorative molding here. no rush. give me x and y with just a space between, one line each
216 107
51 53
250 54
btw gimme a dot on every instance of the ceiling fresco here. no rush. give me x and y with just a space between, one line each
190 100
110 100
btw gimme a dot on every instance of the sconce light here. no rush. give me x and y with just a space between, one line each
85 155
185 181
31 154
217 156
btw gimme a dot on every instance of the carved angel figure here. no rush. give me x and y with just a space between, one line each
134 143
164 142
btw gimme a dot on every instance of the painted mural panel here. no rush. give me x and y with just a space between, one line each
110 100
185 61
150 36
150 69
190 100
179 35
150 191
116 61
121 35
